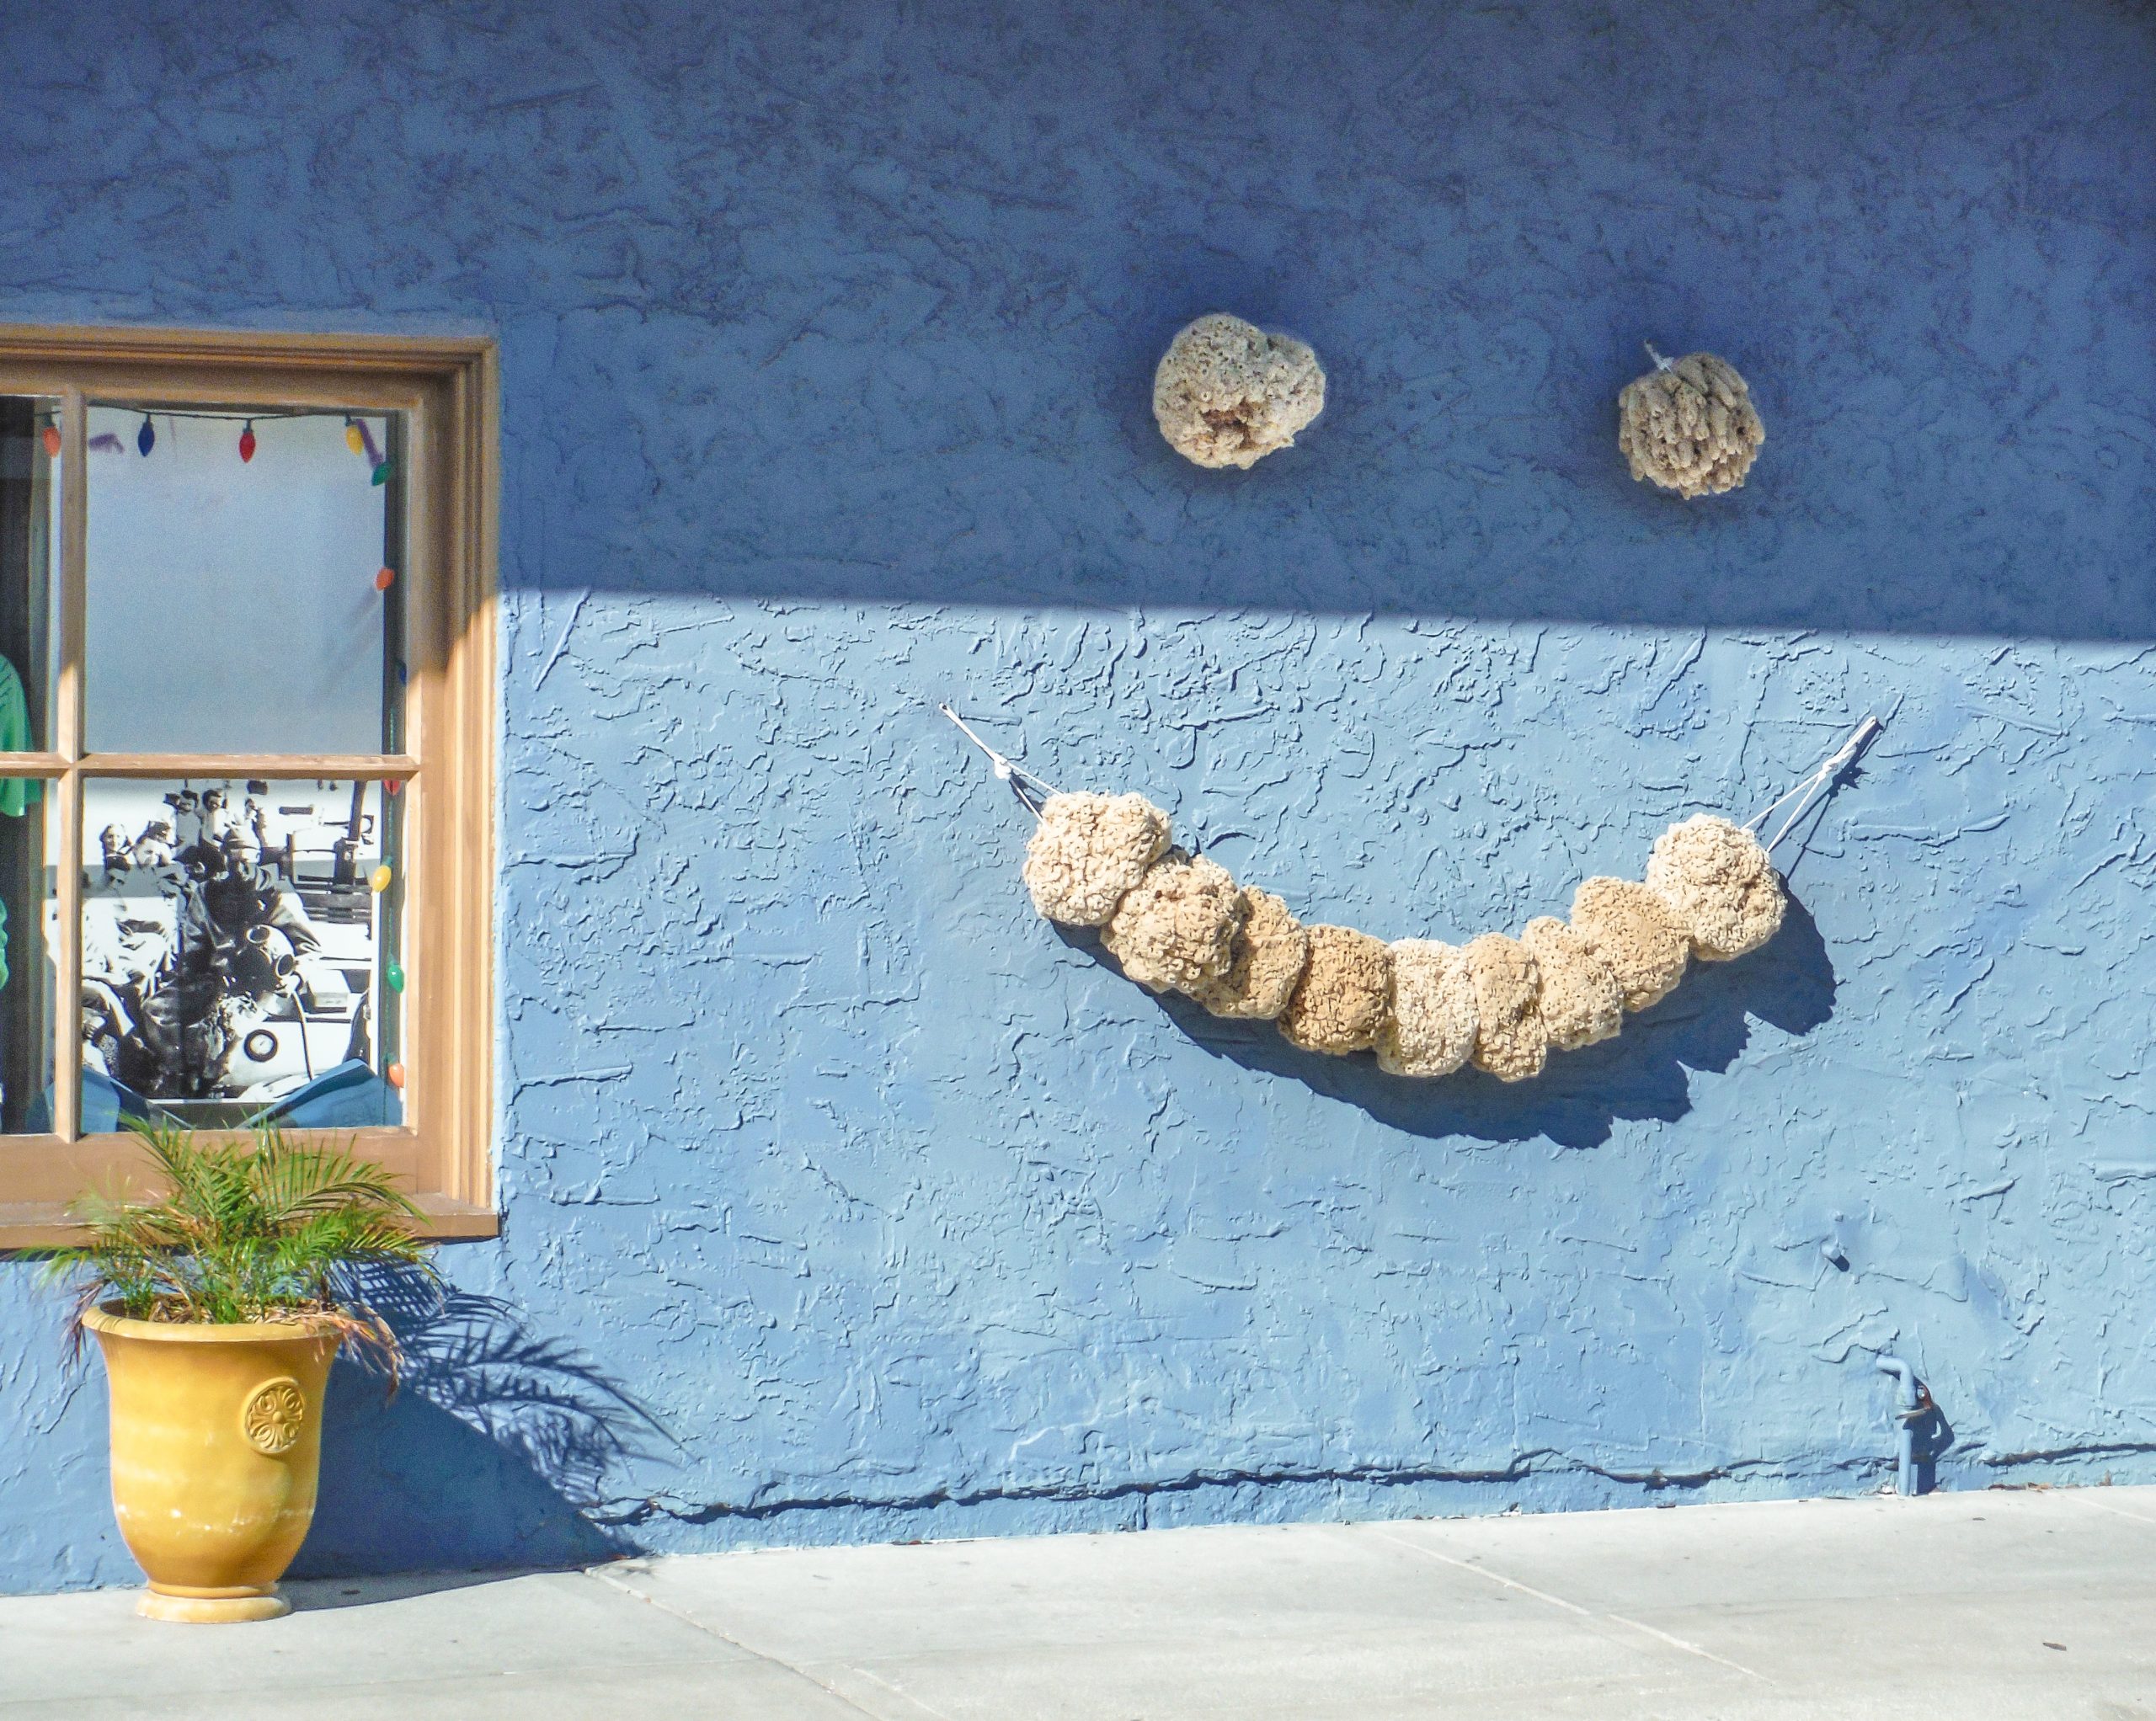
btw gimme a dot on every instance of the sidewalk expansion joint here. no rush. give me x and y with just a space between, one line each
1571 1608
605 1576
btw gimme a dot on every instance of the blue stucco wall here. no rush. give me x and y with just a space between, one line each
844 1199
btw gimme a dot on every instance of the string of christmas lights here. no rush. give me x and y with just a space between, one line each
359 435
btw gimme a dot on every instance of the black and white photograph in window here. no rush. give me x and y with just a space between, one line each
234 961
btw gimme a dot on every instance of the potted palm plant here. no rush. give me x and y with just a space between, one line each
219 1304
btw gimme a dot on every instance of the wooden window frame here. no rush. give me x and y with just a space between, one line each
448 390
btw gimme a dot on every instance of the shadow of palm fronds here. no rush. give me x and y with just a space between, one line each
544 1400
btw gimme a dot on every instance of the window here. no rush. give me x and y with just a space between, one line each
247 722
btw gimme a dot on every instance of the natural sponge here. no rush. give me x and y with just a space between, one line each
1430 1027
1227 394
1340 1002
1719 882
1689 426
1087 851
1176 926
1510 1041
1636 933
1267 960
1581 1001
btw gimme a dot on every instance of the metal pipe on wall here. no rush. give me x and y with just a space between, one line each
1909 1405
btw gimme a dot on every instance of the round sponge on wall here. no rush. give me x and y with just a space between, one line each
1431 1028
1176 927
1270 949
1227 394
1509 1039
1690 427
1340 1004
1581 1001
1087 851
1720 884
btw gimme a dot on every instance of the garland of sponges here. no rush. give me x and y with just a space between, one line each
1177 922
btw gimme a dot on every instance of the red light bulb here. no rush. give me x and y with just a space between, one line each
246 443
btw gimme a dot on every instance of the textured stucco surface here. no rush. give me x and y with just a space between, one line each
845 1199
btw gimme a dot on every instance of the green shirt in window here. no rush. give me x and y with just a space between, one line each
16 793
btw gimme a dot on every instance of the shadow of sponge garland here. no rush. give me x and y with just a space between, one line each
1227 394
1581 1002
1636 933
1176 927
1342 1001
1087 851
1270 950
1689 426
1719 882
1430 1027
1510 1041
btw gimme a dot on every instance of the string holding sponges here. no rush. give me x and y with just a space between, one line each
1227 394
1688 425
1177 921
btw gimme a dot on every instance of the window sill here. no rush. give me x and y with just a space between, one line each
26 1225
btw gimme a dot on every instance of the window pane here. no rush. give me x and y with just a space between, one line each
30 533
237 961
29 501
234 604
27 873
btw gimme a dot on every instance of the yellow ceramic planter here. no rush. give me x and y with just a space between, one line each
216 1444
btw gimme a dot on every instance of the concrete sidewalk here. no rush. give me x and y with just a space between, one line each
1995 1606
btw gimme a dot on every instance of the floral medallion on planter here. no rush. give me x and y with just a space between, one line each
276 1413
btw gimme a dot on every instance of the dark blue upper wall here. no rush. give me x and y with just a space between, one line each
863 300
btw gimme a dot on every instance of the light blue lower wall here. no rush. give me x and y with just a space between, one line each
985 1233
846 1199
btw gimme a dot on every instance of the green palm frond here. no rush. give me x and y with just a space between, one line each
252 1230
293 1182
